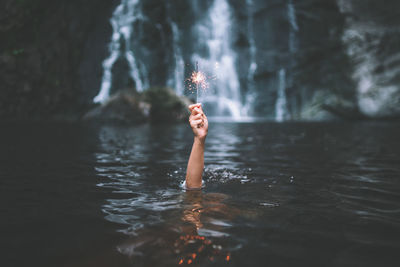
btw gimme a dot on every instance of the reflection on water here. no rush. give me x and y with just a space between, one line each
193 224
286 192
198 235
205 216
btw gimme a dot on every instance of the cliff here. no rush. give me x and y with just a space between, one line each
50 56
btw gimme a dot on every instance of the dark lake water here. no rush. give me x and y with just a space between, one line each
290 194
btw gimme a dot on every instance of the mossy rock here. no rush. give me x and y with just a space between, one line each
166 105
123 107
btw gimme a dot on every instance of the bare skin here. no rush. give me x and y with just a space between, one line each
199 123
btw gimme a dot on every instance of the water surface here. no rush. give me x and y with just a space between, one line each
288 194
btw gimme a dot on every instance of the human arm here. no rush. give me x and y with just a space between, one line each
199 123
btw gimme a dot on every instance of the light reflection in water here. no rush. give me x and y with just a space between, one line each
155 214
196 232
196 242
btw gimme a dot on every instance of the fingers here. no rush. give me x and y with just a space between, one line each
197 110
191 107
196 123
197 116
196 120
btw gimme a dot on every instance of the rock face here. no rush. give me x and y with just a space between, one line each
166 105
50 56
123 107
157 104
371 38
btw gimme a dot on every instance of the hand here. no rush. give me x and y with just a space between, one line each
198 121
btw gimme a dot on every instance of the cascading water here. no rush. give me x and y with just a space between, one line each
250 96
213 34
177 77
281 110
281 103
209 43
177 73
122 21
293 26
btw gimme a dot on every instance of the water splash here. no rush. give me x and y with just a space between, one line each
122 21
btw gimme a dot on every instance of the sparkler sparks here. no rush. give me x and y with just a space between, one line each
199 80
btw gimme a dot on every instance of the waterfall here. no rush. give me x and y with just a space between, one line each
177 77
250 96
281 103
281 110
122 21
213 36
291 13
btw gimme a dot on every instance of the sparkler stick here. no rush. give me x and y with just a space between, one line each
197 81
197 84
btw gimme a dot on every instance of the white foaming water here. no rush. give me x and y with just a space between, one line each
281 103
177 74
177 78
291 13
122 21
214 32
250 96
281 110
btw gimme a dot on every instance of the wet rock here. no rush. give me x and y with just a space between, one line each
326 105
166 105
123 107
51 54
373 47
157 104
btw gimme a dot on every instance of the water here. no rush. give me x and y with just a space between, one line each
251 92
124 18
219 60
177 79
209 44
281 102
294 28
286 194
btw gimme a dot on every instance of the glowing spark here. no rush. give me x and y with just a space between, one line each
199 79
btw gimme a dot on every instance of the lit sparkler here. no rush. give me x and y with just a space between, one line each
199 79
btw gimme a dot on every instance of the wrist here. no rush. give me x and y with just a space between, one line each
200 140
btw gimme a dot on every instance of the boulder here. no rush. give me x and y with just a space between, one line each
123 107
166 105
157 104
